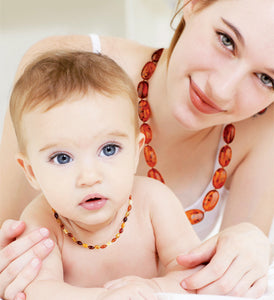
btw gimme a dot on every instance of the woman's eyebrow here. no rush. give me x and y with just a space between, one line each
235 30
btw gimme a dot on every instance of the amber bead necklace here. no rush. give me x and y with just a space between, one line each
92 247
219 178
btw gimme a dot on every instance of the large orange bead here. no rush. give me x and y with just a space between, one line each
219 178
225 156
156 55
144 110
229 133
148 70
150 156
142 89
146 130
154 173
195 215
210 200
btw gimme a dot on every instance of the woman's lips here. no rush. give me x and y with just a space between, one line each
201 101
93 202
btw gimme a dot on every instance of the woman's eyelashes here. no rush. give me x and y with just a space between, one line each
266 80
226 41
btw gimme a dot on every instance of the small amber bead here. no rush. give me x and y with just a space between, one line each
142 89
121 230
150 156
97 247
113 240
195 216
125 219
210 200
144 110
109 243
129 208
225 156
79 243
65 231
148 70
74 239
127 213
123 225
219 178
91 247
85 245
229 133
117 235
103 246
70 235
56 215
156 55
146 130
154 173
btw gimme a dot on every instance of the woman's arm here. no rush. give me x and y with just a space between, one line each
238 257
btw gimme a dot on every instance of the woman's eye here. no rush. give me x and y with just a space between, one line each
109 150
266 80
61 159
226 41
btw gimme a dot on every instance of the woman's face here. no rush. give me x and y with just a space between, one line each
222 67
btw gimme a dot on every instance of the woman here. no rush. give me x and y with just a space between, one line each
218 70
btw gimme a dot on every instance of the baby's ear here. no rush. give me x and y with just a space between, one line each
23 162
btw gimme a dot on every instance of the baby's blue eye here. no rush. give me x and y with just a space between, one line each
61 159
109 150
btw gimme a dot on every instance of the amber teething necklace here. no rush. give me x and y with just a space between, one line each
219 178
91 247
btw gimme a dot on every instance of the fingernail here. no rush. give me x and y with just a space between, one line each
44 231
16 225
35 262
183 285
48 243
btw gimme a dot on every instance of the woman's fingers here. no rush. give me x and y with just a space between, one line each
18 247
199 255
214 270
9 231
24 278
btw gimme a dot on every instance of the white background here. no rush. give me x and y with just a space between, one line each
24 22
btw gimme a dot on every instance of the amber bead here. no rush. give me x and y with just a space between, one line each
150 156
97 247
144 110
148 70
70 235
225 156
103 246
121 230
91 247
229 133
154 173
142 89
113 240
219 178
210 200
125 219
79 243
195 215
146 130
129 208
156 55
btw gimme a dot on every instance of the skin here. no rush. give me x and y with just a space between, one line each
237 89
95 152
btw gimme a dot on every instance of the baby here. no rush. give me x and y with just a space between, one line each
117 235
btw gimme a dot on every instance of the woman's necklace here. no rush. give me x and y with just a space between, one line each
219 178
91 247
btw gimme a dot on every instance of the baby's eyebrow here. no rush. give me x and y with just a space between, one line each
48 147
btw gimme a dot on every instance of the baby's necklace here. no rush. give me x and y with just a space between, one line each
219 178
92 247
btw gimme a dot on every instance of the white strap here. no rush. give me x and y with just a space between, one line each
96 44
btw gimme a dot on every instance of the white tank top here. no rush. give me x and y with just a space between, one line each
212 219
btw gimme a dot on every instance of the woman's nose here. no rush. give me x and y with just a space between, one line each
224 85
89 175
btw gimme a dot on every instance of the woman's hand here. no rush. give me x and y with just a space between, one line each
238 260
20 260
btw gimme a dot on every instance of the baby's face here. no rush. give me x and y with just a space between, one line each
83 156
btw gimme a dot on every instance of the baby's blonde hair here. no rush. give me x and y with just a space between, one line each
55 76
